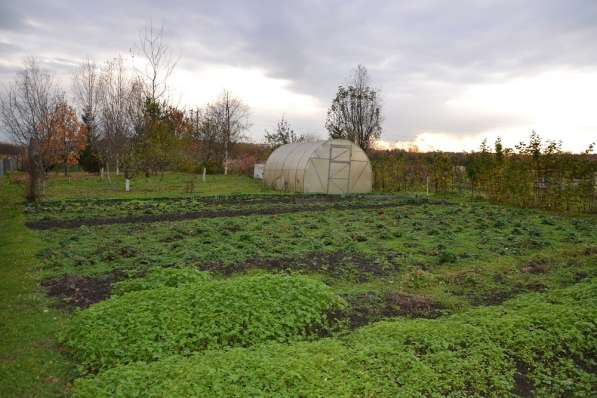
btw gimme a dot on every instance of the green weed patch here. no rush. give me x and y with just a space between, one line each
161 277
536 345
147 325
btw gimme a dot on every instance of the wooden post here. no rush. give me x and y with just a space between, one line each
204 171
427 185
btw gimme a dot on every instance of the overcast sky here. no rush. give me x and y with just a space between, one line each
450 72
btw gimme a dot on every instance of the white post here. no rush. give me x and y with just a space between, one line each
127 185
117 168
102 173
204 174
427 185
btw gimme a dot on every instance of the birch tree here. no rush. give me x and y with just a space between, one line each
120 95
231 116
159 62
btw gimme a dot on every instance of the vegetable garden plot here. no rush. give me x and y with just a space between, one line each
405 238
76 208
42 219
416 260
71 224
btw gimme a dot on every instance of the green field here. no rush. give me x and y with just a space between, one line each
300 296
87 186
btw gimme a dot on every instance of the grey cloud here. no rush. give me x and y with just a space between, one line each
10 19
420 53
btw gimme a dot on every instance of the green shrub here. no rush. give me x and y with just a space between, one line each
150 324
535 345
161 277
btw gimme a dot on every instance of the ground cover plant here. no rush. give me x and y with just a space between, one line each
417 238
161 277
148 324
535 345
407 258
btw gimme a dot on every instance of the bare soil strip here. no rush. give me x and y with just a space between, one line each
235 199
75 291
71 224
329 263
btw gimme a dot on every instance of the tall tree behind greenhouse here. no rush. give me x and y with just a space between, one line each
355 113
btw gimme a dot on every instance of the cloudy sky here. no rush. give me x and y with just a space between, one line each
450 72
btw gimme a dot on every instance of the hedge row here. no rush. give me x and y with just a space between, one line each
147 325
535 345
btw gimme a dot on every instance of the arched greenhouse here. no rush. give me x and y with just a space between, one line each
334 167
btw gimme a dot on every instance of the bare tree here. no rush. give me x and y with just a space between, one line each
120 95
355 113
25 111
160 62
231 115
206 134
86 87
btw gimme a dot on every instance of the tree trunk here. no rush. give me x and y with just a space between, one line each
35 170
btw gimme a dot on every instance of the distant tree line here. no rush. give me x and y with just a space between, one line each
120 120
532 174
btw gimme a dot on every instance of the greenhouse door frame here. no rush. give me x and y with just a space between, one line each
338 167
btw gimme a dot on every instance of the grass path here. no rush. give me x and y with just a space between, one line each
30 363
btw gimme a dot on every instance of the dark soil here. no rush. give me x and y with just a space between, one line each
494 296
74 291
69 224
334 264
369 307
522 387
232 199
537 266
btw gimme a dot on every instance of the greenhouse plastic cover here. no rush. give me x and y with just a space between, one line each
334 166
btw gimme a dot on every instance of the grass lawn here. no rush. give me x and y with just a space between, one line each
30 364
83 185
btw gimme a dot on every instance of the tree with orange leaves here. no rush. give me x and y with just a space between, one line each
68 137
